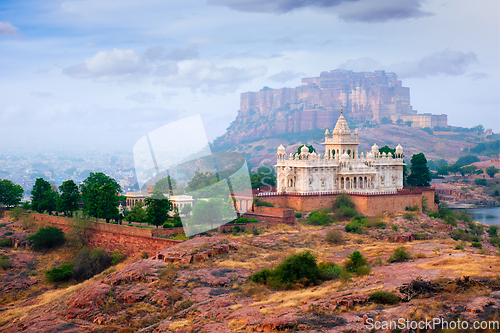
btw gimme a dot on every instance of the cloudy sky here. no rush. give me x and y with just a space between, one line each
102 73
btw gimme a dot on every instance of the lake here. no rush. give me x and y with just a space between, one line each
488 215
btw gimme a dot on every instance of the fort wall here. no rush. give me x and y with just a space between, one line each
113 237
365 204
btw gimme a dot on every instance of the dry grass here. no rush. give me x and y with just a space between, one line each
179 324
471 265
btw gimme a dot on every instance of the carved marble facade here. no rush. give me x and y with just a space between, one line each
341 168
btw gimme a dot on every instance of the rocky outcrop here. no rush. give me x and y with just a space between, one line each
316 104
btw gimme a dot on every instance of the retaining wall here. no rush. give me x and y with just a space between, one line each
114 237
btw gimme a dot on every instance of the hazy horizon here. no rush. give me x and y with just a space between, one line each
91 74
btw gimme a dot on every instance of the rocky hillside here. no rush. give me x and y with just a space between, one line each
211 292
413 140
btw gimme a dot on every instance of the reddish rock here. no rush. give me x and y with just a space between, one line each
134 294
477 305
87 302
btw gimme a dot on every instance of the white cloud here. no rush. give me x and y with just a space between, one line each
10 112
114 65
8 29
364 64
142 97
204 75
285 76
447 62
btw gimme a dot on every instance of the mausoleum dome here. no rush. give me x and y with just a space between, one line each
327 132
304 149
375 149
370 156
281 149
345 156
399 150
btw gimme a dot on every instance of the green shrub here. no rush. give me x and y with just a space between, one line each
354 261
477 245
480 181
261 203
413 208
399 255
241 220
253 221
8 233
394 227
144 255
47 238
5 263
363 270
118 256
495 241
345 276
450 220
354 227
334 237
15 213
317 218
408 216
89 262
459 247
344 213
384 297
464 216
434 215
492 230
61 273
297 270
343 200
261 276
6 242
329 270
460 234
298 215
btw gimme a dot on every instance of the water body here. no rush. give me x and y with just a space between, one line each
489 215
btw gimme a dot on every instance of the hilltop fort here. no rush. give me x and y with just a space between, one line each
315 104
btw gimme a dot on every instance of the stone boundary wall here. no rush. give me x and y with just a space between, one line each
113 237
366 204
287 215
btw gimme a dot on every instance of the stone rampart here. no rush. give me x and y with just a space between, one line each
366 204
113 237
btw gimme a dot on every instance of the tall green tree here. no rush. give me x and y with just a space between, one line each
158 207
43 198
100 196
491 171
68 200
387 150
10 193
265 176
201 180
419 172
167 184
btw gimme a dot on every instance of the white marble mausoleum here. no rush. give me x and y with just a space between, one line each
342 168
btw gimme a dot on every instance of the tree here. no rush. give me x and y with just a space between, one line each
454 168
186 210
167 184
158 208
387 150
209 212
265 176
491 171
137 213
470 169
466 160
43 198
10 193
68 200
311 149
443 171
419 172
201 180
100 198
